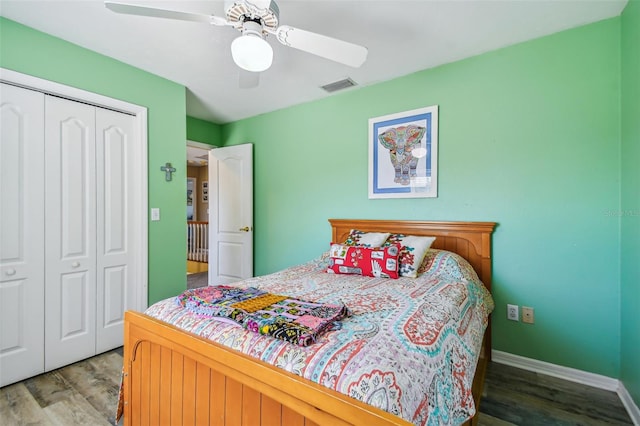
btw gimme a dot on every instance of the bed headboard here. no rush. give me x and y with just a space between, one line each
471 240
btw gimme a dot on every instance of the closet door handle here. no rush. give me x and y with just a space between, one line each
245 229
10 272
75 264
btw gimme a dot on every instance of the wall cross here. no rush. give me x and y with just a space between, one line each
168 170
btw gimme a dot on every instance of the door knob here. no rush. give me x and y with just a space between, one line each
245 229
75 264
10 271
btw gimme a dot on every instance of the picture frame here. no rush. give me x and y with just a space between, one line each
403 154
192 199
205 192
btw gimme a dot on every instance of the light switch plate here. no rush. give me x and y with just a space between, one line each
155 214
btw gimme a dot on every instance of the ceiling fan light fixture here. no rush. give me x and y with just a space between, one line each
250 51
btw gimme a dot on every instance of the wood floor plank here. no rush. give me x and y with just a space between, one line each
75 411
487 420
97 383
521 410
109 364
18 407
602 403
49 388
524 397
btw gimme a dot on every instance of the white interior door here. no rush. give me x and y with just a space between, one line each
70 232
230 214
116 246
21 234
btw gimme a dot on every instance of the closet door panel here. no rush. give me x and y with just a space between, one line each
21 234
115 143
70 226
73 290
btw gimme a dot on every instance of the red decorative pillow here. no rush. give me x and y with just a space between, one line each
367 261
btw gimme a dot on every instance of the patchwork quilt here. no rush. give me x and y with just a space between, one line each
409 347
295 321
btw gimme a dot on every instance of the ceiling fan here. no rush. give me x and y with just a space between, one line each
256 19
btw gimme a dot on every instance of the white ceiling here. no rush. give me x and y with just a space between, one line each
402 37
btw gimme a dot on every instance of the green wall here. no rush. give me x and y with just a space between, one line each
529 138
630 210
32 52
204 131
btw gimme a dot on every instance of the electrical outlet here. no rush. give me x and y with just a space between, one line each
512 313
527 315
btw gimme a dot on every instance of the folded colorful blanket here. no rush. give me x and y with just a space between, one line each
295 321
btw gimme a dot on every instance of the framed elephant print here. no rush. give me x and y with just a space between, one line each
403 154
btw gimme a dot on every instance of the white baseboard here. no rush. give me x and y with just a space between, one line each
572 375
554 370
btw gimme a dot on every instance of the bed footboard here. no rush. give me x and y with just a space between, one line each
174 377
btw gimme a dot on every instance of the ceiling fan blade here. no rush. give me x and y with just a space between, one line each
328 47
133 9
248 79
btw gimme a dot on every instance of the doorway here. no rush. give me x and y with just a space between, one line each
197 207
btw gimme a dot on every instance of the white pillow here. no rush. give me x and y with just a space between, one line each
366 239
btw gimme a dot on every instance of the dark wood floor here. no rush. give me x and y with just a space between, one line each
515 396
85 393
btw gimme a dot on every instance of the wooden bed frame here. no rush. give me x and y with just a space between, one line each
174 377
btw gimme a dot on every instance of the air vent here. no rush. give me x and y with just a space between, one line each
339 85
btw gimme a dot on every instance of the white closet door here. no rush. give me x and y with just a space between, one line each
21 234
70 226
115 145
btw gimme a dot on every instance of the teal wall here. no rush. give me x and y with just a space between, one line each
529 138
630 210
31 52
204 131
